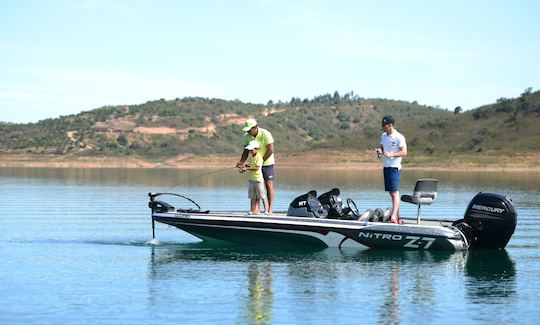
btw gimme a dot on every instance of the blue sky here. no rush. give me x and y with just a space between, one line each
63 57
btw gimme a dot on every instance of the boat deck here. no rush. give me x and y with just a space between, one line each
284 216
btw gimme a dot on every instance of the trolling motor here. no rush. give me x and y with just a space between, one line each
163 207
159 206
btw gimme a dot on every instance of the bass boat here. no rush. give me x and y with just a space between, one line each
326 221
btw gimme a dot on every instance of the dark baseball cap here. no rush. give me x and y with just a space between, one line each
388 119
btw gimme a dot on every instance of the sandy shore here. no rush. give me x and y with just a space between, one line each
318 159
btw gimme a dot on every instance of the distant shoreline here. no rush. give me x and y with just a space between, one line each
327 159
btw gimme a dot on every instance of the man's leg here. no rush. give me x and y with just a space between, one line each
265 204
268 174
392 177
270 193
394 216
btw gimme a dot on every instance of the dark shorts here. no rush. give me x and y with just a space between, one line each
268 172
392 177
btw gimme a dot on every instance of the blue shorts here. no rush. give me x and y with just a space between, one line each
392 177
268 172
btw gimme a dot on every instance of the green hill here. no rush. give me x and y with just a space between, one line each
506 127
162 129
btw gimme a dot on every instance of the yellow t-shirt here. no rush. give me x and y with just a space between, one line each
257 160
264 138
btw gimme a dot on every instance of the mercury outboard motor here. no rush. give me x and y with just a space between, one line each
331 201
307 205
489 222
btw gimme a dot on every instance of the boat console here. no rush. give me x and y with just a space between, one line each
327 205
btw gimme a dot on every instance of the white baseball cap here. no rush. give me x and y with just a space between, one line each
252 145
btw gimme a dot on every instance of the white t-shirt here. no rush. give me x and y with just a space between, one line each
391 143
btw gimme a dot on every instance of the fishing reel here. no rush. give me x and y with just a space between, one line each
241 170
379 152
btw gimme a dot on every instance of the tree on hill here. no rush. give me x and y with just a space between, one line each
336 97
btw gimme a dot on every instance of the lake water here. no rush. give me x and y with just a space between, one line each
74 248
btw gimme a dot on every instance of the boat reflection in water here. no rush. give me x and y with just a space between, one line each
490 274
257 285
260 295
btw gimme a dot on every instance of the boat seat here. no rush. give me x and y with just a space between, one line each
425 193
366 216
315 207
382 215
377 215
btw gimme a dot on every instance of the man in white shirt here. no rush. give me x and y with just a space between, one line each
392 148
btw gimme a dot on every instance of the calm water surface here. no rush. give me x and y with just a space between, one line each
74 248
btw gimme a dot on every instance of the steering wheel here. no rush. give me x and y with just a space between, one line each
353 207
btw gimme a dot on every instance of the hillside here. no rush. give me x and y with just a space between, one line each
507 127
161 129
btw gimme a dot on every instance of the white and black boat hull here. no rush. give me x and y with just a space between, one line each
489 222
281 230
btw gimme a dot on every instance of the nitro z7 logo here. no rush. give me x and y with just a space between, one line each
487 209
410 241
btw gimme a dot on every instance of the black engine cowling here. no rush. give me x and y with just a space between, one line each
489 221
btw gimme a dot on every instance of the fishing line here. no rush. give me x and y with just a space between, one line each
199 176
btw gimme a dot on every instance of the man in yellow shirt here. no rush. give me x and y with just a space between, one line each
266 143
